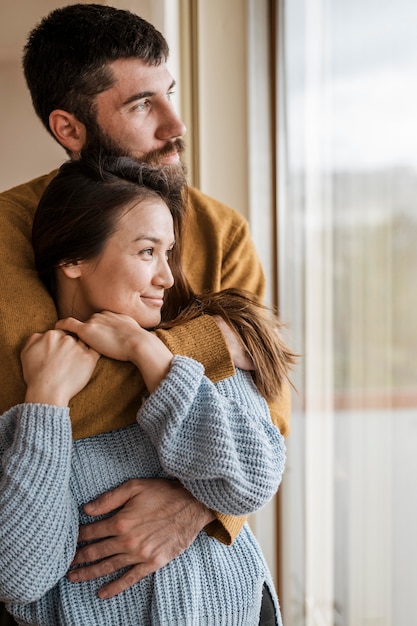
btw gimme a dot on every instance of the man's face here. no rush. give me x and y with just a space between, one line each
136 117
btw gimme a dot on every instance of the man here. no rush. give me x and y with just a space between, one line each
98 80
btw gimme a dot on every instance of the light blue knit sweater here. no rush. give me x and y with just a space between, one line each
218 440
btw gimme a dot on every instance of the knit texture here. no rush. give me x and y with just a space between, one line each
188 428
218 253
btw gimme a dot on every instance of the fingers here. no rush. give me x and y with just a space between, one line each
69 324
93 355
158 519
131 577
103 568
142 560
96 531
32 339
113 499
110 566
98 551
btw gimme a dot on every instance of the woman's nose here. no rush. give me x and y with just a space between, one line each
164 277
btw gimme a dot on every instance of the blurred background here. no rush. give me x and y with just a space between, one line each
301 114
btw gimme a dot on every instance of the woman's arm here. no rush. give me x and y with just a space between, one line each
38 518
219 441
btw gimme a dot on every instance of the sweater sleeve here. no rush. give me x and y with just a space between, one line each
38 517
111 398
225 528
212 352
218 440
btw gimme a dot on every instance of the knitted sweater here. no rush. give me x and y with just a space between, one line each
218 440
218 253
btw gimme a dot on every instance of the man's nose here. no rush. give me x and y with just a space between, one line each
171 125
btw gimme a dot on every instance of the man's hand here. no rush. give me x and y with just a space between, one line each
240 356
158 521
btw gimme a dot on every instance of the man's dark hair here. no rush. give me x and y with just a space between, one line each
66 57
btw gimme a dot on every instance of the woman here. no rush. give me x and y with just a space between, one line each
106 245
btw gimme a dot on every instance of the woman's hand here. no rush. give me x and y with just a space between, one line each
112 334
56 367
120 337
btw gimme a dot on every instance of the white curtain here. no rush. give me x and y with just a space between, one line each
347 210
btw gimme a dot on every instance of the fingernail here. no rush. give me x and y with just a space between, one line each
103 594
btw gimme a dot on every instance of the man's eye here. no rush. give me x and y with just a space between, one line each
142 105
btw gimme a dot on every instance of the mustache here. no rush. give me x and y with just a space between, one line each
174 145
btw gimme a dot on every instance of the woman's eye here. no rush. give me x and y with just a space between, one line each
146 252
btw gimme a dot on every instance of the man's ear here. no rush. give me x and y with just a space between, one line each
68 131
71 270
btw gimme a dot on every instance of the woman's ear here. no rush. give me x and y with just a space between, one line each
68 131
71 270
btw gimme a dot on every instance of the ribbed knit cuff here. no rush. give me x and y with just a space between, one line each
225 528
202 340
280 410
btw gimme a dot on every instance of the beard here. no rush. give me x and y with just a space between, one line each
99 142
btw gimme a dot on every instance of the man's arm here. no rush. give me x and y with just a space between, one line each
158 520
111 398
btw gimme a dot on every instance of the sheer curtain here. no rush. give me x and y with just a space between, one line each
347 225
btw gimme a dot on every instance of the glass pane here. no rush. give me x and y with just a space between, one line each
347 195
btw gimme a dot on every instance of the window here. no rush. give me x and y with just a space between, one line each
347 220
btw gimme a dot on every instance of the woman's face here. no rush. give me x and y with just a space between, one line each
132 272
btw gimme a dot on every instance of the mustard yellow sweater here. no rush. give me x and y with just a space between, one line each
218 253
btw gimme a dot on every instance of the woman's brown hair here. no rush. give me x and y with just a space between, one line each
259 329
78 212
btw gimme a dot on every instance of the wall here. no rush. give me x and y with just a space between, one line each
27 150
